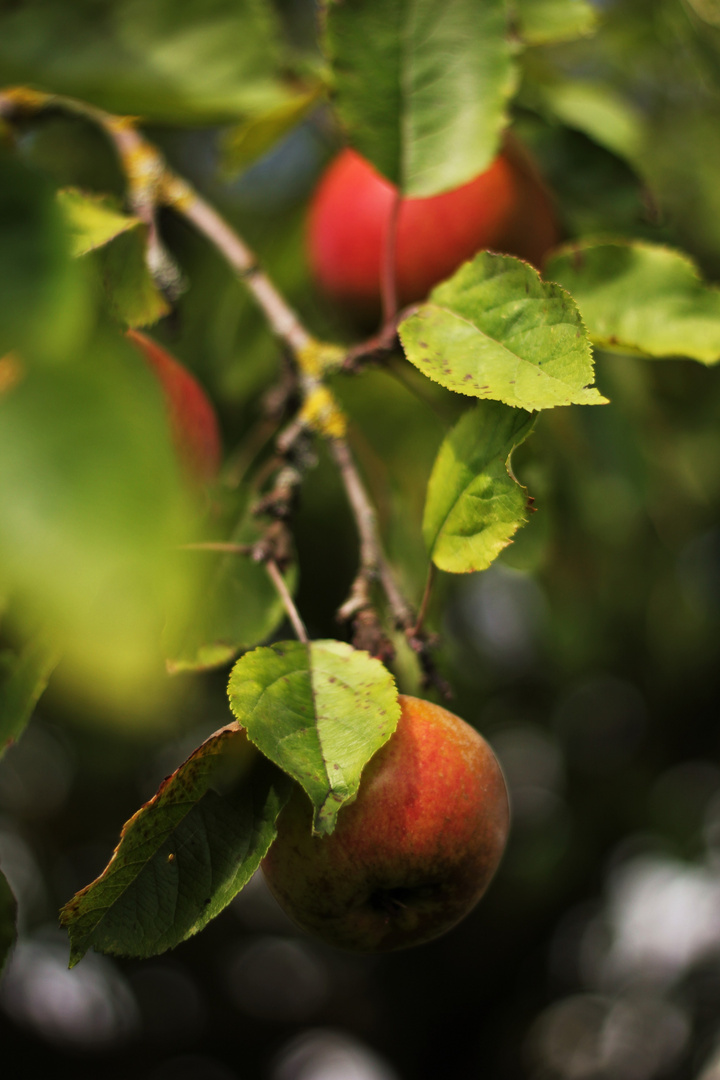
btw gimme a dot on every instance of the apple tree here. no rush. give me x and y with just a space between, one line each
216 469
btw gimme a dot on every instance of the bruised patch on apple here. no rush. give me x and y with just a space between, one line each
412 855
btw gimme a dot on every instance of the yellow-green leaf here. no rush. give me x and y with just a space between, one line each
474 503
319 711
496 330
643 298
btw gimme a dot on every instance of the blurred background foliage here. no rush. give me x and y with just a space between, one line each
587 654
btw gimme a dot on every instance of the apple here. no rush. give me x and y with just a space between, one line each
412 854
193 422
506 209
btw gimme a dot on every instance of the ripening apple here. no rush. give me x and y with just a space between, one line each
506 209
412 854
193 421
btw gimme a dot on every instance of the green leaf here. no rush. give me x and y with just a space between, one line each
249 140
598 111
496 330
642 298
133 296
44 305
474 503
422 87
94 220
540 22
23 678
199 62
132 289
184 855
238 606
93 509
319 711
8 921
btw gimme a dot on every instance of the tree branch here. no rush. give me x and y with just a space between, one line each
151 183
373 563
283 320
292 612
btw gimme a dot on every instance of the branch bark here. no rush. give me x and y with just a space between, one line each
373 563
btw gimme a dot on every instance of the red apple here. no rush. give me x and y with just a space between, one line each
506 209
192 418
412 854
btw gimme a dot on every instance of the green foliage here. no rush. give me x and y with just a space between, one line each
206 61
496 330
94 220
8 921
644 298
184 855
43 306
24 675
88 533
120 243
319 711
237 604
598 111
246 142
93 513
132 292
539 22
474 504
422 88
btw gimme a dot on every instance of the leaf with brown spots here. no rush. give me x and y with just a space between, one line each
496 330
184 855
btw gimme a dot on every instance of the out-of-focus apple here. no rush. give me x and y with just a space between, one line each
506 209
412 854
193 421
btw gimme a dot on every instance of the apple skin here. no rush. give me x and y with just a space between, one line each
506 209
193 421
415 851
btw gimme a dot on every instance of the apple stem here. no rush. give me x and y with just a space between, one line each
429 581
289 604
388 280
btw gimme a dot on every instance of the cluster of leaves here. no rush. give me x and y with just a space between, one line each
496 332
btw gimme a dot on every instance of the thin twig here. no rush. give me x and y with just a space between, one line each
283 320
417 628
388 276
150 181
144 173
219 545
289 604
373 563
